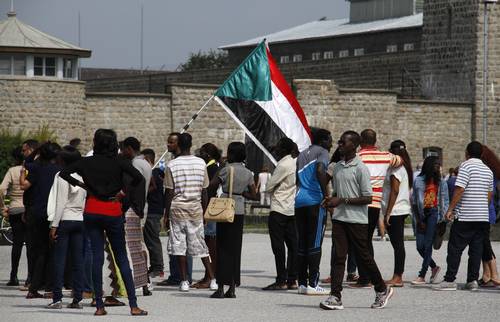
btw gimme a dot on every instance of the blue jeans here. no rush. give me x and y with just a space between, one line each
425 240
96 226
69 236
211 229
87 263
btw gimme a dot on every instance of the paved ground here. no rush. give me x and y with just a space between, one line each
252 304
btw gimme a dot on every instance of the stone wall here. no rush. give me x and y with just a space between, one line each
493 98
27 105
213 124
151 117
419 123
144 116
449 44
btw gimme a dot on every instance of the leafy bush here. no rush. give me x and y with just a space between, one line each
205 60
9 141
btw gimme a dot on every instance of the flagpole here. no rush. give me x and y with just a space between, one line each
247 132
186 127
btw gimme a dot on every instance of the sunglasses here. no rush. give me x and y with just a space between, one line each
340 142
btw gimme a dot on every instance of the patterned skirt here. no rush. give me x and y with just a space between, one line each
136 250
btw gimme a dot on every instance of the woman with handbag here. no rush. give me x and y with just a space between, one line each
430 195
230 234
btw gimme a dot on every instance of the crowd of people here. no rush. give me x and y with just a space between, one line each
92 223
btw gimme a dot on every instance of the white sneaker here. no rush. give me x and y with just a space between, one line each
318 290
184 287
302 289
445 286
331 303
213 285
472 286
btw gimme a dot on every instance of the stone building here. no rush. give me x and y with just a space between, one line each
38 80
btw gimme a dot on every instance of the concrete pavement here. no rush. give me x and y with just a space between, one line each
252 304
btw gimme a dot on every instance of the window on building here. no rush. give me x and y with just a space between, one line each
392 48
284 59
344 53
19 65
359 52
50 66
12 65
68 68
409 47
433 151
5 64
38 64
45 66
316 56
297 58
328 55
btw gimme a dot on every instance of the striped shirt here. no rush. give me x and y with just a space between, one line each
187 176
378 162
477 180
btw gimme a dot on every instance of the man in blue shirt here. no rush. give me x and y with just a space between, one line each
310 217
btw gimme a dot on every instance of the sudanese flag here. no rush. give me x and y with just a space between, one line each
258 98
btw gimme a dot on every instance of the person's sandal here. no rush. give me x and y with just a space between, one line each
138 312
111 301
100 312
201 284
75 305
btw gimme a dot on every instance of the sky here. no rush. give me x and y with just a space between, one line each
172 28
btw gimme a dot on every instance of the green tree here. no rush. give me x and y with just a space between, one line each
9 141
205 60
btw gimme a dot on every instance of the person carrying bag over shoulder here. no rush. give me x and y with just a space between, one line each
222 209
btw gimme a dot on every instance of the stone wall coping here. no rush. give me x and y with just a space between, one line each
311 80
40 79
195 85
366 90
433 102
127 94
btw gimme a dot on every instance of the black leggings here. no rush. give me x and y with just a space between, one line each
396 234
18 234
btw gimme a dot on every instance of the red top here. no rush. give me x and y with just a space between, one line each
430 195
95 206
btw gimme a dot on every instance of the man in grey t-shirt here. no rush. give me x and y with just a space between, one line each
352 193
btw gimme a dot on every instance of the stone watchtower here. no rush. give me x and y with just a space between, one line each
452 59
38 81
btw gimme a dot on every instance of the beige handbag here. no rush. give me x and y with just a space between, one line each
222 209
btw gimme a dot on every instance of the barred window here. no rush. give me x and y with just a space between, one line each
344 53
359 52
284 59
392 48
